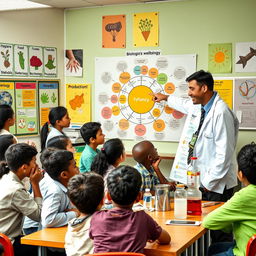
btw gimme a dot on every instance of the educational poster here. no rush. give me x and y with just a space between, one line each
21 60
50 61
26 108
6 59
245 60
7 97
113 31
219 58
145 29
35 61
78 102
48 98
123 88
245 102
74 63
225 89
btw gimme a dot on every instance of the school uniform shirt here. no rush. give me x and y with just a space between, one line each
87 158
5 132
15 203
77 240
55 202
53 133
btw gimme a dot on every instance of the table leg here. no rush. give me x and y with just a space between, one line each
42 251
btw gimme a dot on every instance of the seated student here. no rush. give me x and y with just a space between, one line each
237 214
86 193
120 229
61 142
148 160
6 140
93 136
15 202
57 210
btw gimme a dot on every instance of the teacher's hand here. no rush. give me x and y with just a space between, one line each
157 97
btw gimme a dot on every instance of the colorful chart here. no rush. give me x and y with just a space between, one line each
123 95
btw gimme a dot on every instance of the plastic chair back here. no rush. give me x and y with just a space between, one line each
251 246
116 254
7 244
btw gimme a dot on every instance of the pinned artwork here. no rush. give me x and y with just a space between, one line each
6 59
21 60
35 61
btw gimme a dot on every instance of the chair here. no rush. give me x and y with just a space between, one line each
251 246
7 244
116 254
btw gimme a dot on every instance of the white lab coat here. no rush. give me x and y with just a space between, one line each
215 146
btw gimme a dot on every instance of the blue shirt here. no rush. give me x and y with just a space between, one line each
87 158
208 106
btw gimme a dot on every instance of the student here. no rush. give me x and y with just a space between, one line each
86 193
148 160
127 231
93 136
59 119
6 140
15 202
238 214
61 142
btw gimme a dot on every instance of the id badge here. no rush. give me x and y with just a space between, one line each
193 140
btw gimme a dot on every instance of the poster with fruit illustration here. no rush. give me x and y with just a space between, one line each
145 29
21 60
35 61
26 107
123 101
50 62
6 59
78 102
48 98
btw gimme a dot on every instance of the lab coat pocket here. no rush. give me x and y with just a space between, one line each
208 136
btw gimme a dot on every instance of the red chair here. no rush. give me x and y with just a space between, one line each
251 246
7 244
116 254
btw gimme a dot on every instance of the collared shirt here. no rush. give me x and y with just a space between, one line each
15 203
5 132
149 177
209 104
53 133
87 158
55 204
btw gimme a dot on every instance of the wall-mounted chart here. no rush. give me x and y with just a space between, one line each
123 88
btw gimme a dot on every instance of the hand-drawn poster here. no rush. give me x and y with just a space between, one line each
123 100
245 60
74 62
145 29
225 89
113 31
6 59
35 61
245 102
78 102
21 60
50 62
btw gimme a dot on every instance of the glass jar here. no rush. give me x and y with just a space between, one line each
180 202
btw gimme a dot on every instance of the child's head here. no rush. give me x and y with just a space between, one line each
112 153
5 141
92 133
246 160
86 191
144 152
59 164
6 116
61 142
124 184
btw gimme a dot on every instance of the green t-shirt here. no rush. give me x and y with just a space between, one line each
87 158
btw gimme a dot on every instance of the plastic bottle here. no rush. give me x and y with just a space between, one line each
194 195
147 200
180 202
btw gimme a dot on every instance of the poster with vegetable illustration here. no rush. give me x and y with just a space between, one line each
113 31
26 108
48 98
21 60
145 29
50 61
78 102
6 59
35 61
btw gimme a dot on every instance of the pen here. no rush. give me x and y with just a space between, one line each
208 204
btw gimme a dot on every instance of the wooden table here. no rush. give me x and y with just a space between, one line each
182 236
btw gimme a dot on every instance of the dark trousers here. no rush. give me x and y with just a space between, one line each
218 235
23 249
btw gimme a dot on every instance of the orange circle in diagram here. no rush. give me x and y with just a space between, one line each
114 99
115 110
124 77
153 72
176 114
106 112
168 110
122 99
156 112
144 70
159 125
140 129
116 87
140 100
123 124
169 88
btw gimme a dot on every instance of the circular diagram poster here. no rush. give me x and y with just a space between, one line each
123 100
